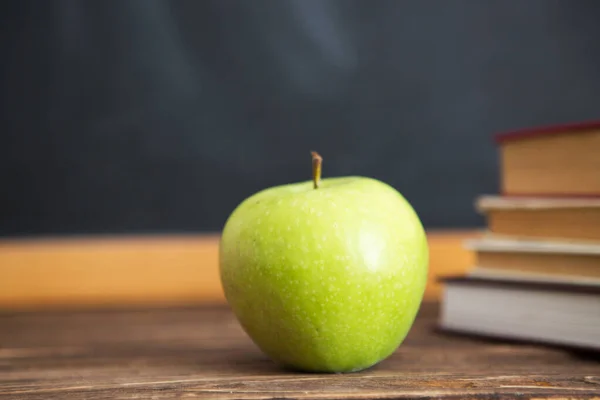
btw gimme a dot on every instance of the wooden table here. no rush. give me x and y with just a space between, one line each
202 353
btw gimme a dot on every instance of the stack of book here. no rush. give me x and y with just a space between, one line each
537 270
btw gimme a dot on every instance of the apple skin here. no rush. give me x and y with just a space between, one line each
328 279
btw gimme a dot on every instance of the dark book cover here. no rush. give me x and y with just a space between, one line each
523 285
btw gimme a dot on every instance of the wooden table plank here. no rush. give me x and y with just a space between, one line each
203 353
47 273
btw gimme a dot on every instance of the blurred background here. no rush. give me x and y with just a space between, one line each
133 116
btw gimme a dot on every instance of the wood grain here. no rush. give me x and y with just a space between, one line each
159 271
203 353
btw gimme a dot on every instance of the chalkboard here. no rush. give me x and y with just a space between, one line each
147 116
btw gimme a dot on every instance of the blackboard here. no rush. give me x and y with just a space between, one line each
135 116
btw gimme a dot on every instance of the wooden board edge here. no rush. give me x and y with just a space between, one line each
149 271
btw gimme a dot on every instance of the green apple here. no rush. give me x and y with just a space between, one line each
325 275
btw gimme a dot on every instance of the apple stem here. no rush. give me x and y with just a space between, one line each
317 161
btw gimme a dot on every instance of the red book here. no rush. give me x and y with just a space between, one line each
558 161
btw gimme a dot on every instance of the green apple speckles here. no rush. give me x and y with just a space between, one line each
325 275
